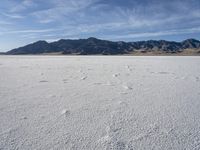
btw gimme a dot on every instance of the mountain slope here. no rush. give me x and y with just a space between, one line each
94 46
34 48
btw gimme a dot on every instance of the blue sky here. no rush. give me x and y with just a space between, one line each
26 21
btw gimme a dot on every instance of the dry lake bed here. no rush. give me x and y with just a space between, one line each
99 102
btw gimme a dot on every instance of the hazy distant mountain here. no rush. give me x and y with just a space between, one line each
95 46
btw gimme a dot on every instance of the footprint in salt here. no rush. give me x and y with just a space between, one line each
24 118
65 112
162 72
183 78
107 137
50 96
197 79
176 77
115 75
123 93
43 81
128 68
64 80
109 84
97 83
83 78
127 87
24 67
120 102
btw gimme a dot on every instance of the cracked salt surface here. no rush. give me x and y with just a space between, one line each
154 106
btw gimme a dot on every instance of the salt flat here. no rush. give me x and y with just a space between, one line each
99 102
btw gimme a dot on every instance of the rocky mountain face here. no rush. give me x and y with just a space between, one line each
93 46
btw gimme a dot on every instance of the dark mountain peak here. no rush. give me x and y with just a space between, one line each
92 38
191 40
41 42
33 48
61 40
191 43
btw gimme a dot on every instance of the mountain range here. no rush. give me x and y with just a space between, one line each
94 46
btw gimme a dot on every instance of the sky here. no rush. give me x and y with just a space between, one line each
26 21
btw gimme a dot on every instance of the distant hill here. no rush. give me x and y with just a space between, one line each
2 53
94 46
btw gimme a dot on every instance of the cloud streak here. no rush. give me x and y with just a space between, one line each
61 9
13 16
155 34
22 6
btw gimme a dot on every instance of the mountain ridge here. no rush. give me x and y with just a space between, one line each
94 46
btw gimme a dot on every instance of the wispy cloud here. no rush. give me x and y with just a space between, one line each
13 16
60 9
155 34
30 31
23 5
2 22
